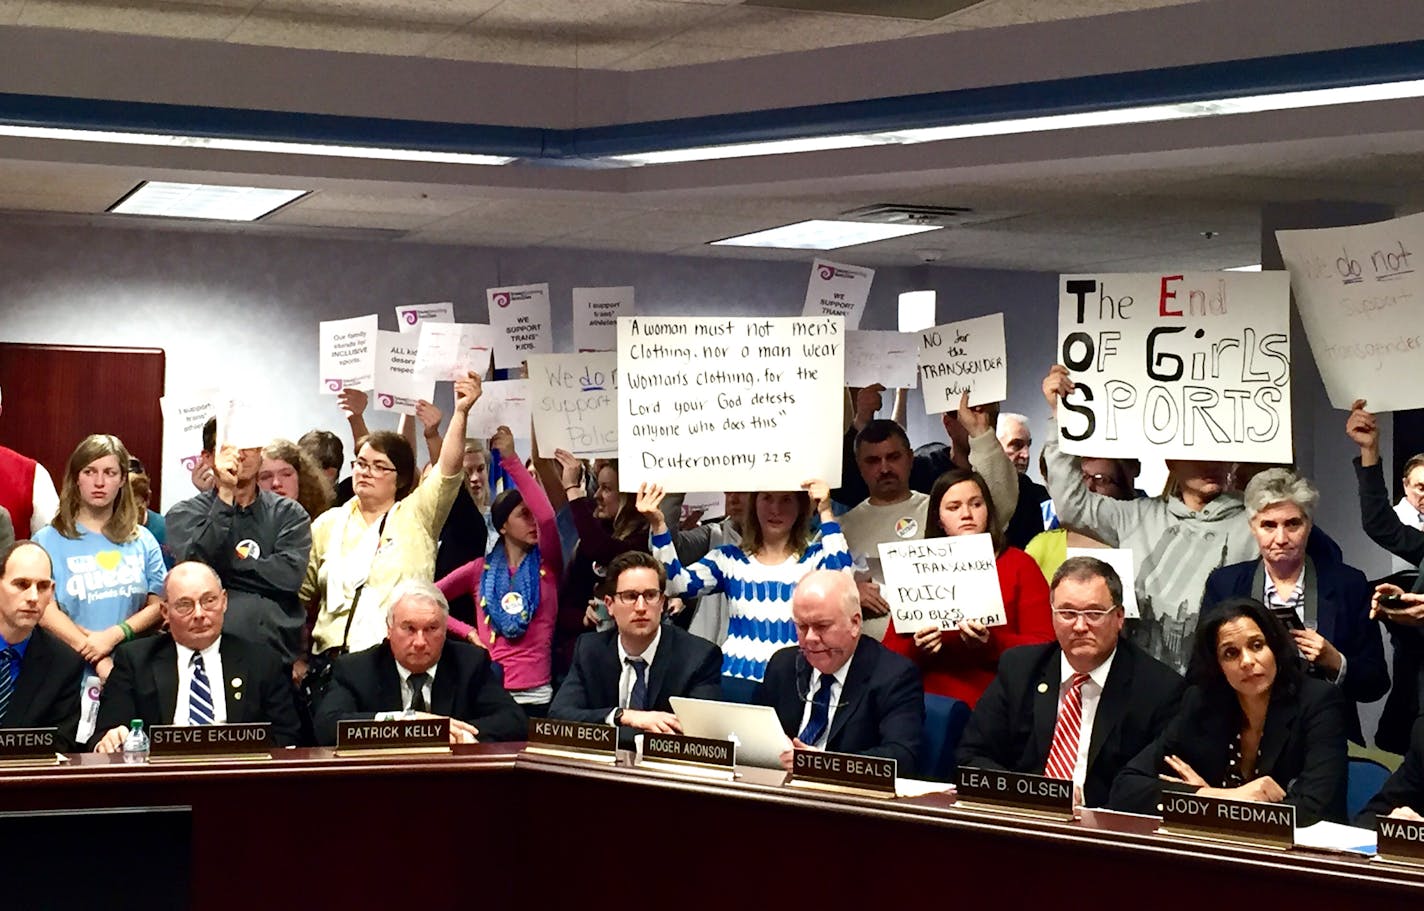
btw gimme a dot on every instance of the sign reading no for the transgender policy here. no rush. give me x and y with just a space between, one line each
729 403
1178 366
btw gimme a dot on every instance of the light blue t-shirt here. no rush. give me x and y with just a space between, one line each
99 583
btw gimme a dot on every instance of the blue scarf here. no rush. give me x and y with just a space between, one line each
510 602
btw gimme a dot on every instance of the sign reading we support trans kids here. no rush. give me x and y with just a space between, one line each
836 289
520 317
1178 366
729 403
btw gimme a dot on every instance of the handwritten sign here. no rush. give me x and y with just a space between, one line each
596 312
881 356
1119 559
520 317
836 289
398 386
409 318
967 355
575 402
448 351
1177 366
347 353
183 420
937 582
1360 293
242 424
729 403
505 402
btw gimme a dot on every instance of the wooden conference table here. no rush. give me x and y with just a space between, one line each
491 827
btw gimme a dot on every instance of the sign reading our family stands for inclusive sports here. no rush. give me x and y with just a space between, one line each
520 317
729 403
449 351
506 403
348 353
575 402
1360 293
410 317
398 385
1180 366
836 289
967 356
596 312
881 356
937 582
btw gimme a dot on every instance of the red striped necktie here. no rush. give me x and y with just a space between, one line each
1063 755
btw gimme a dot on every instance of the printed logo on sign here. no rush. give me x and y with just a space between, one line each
387 400
828 272
333 385
907 527
411 317
248 549
191 462
502 299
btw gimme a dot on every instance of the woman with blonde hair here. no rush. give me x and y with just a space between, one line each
287 470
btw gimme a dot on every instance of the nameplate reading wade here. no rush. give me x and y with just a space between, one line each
844 771
578 739
210 741
1271 824
1053 796
405 735
1400 840
28 746
701 752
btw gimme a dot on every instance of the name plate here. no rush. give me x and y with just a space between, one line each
1271 824
401 735
701 755
578 739
1400 839
209 741
844 772
1035 793
28 746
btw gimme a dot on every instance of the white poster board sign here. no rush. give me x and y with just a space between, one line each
183 420
937 582
410 317
730 403
347 353
242 424
967 355
1361 298
504 402
448 351
596 312
1120 560
520 317
881 356
1178 366
575 402
705 506
836 289
398 386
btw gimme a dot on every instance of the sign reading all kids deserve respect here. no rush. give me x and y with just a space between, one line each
937 582
729 403
1184 366
836 289
575 402
520 317
967 356
347 353
398 385
1360 293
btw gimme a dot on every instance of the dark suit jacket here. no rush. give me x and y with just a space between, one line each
1013 722
144 684
685 665
366 682
46 693
882 712
1405 788
1027 520
1344 618
1302 748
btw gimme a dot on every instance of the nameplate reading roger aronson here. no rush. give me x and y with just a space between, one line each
28 745
730 403
412 735
576 738
204 741
1231 820
698 751
1052 796
844 771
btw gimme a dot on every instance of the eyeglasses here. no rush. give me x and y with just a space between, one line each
649 596
185 606
1101 479
1090 617
375 469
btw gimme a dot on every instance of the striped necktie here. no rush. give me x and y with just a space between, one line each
8 657
1063 755
200 695
820 718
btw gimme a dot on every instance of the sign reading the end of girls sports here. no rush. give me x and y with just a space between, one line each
575 402
935 583
347 353
520 317
729 403
1360 292
967 356
410 317
596 312
1189 365
836 289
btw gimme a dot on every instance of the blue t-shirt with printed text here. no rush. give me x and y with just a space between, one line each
99 583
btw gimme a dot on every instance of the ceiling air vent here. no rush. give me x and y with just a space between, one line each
899 214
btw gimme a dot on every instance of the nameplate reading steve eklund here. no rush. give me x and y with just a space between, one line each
1032 792
171 741
844 770
18 744
573 735
1235 820
423 734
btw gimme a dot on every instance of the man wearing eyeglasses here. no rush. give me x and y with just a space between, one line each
39 675
196 674
627 675
1079 708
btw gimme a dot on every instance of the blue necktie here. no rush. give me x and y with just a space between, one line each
815 728
638 698
200 697
8 658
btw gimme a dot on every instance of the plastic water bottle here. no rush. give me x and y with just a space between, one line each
136 743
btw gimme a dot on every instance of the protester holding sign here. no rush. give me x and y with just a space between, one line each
1105 477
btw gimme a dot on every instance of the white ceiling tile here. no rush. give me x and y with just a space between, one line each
433 205
392 221
680 53
446 12
168 20
363 36
10 11
793 30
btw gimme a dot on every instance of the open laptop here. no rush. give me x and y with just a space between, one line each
754 728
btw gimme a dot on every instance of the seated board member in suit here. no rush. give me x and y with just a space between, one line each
417 669
40 676
626 675
1081 707
1252 725
195 674
1402 796
840 691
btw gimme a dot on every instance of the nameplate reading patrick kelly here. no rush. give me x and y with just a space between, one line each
1232 820
1400 839
844 771
550 735
411 735
1037 793
210 741
28 745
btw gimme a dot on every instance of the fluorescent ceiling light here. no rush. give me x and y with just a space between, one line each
748 149
196 200
1255 268
820 234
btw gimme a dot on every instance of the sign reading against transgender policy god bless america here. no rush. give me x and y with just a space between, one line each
1189 365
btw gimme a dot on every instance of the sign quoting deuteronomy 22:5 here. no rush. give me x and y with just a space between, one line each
1184 366
729 403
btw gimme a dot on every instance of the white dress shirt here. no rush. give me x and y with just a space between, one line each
408 689
1092 694
213 668
837 693
627 676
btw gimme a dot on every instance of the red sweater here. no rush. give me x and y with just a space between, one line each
17 489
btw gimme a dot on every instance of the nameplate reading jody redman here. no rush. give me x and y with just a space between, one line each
210 741
844 772
400 735
698 754
576 739
1050 796
1270 824
28 746
1400 840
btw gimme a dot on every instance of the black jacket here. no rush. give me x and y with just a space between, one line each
46 693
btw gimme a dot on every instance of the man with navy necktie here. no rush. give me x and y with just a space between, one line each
195 674
838 690
39 675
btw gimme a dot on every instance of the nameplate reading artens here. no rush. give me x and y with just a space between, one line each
699 755
210 741
1270 824
1034 793
401 735
1400 840
845 772
28 746
574 739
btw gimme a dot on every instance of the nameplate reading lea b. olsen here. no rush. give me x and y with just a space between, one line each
209 741
1015 789
28 745
577 737
1400 839
1231 820
844 771
411 735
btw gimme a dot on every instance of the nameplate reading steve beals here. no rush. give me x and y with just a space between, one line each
403 735
1051 796
210 741
28 746
844 771
1271 824
1400 840
578 739
675 750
